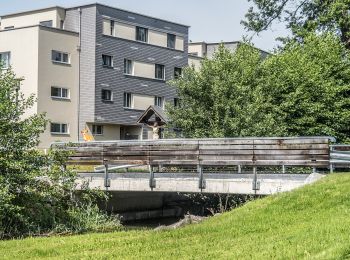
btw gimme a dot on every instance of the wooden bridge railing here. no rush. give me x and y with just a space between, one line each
299 151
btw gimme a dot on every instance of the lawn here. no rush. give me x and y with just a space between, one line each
311 222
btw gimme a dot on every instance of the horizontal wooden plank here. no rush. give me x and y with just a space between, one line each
177 157
292 141
263 157
133 151
265 147
123 162
126 158
85 163
174 162
86 158
267 163
291 147
263 152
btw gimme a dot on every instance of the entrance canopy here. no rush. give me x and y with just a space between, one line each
153 116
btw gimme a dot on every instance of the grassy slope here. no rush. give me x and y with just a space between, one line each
312 222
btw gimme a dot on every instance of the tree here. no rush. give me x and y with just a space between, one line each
302 16
220 99
307 88
36 192
302 90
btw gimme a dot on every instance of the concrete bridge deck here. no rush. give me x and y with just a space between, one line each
225 183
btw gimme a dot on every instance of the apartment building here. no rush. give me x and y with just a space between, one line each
199 50
93 68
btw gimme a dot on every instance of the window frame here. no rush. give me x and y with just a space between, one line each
111 95
176 102
42 23
137 28
127 66
127 98
61 61
157 99
112 28
156 72
106 65
61 93
94 130
168 40
61 128
177 75
8 61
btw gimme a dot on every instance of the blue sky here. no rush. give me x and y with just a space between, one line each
210 20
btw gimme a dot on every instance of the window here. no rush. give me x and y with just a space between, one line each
107 60
171 41
159 71
177 72
108 27
106 95
176 102
59 92
5 60
158 101
46 23
141 34
112 28
60 57
97 129
127 100
58 128
128 67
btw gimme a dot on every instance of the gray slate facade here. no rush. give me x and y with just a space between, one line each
94 77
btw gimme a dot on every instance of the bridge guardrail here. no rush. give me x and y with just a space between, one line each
339 156
311 152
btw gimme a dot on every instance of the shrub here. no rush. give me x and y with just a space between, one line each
36 191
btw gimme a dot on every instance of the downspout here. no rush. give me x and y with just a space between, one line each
79 80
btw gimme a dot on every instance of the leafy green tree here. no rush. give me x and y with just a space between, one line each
306 87
302 90
220 99
36 192
302 16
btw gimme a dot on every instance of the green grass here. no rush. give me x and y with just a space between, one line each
312 222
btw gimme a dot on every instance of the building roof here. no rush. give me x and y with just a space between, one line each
85 5
214 43
128 12
229 42
32 11
150 112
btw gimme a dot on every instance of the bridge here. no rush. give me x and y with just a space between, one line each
259 166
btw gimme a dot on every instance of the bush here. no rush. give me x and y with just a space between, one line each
36 191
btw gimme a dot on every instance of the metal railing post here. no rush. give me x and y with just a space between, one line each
107 179
201 183
331 166
152 181
256 184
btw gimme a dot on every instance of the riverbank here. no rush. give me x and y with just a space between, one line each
311 222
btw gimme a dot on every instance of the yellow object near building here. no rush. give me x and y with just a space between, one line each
87 136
